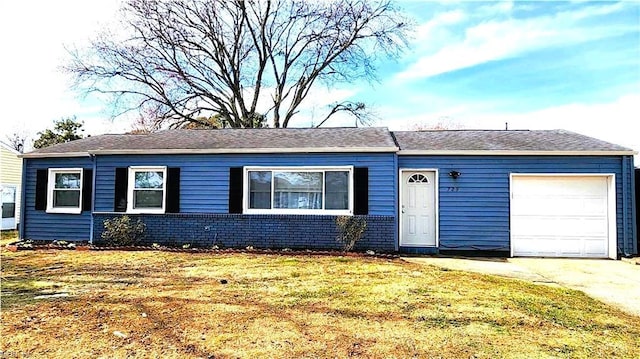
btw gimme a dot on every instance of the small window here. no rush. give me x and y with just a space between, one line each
147 189
418 178
299 190
64 190
260 189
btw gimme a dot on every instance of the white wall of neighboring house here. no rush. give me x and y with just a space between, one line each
10 178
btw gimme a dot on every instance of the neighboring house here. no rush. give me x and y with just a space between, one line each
10 179
519 193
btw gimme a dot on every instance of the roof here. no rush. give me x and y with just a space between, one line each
263 140
338 140
495 142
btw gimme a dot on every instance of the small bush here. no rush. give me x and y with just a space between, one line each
121 231
350 230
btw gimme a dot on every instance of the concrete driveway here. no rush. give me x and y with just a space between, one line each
612 282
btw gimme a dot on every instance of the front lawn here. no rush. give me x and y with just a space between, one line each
115 304
7 237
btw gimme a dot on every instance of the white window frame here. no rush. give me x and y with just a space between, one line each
131 186
322 169
51 182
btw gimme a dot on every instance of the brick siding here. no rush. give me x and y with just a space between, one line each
259 231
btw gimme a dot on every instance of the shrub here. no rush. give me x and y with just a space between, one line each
350 230
121 231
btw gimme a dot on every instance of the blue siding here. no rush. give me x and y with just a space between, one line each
40 225
204 179
474 209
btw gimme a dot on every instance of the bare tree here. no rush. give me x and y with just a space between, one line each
17 141
145 123
241 60
442 124
359 110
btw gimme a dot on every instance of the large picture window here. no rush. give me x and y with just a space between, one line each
64 190
147 189
299 190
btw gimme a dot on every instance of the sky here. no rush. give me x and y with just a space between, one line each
572 65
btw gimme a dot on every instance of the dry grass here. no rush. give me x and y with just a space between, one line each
7 237
173 305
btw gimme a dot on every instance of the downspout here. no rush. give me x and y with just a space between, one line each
396 206
93 194
396 194
634 208
23 204
625 207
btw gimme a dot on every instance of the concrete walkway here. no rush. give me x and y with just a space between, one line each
613 282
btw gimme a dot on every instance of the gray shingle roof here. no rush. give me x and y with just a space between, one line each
367 139
495 140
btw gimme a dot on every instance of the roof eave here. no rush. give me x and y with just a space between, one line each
330 150
518 153
54 154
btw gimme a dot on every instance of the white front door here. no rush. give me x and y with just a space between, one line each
417 209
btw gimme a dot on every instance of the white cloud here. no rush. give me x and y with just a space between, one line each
613 122
499 39
425 31
34 35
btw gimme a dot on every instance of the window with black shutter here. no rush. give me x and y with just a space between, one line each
41 189
120 189
361 193
173 190
235 190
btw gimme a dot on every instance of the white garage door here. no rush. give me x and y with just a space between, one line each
560 216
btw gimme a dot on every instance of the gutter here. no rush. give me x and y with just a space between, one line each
54 154
514 153
394 149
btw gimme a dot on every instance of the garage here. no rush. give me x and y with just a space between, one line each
563 215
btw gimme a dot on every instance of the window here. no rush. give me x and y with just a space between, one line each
64 190
418 178
299 190
146 189
8 203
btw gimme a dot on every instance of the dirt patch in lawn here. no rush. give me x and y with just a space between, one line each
176 305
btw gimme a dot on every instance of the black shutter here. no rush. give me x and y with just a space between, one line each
42 177
120 190
173 190
361 190
235 190
87 186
